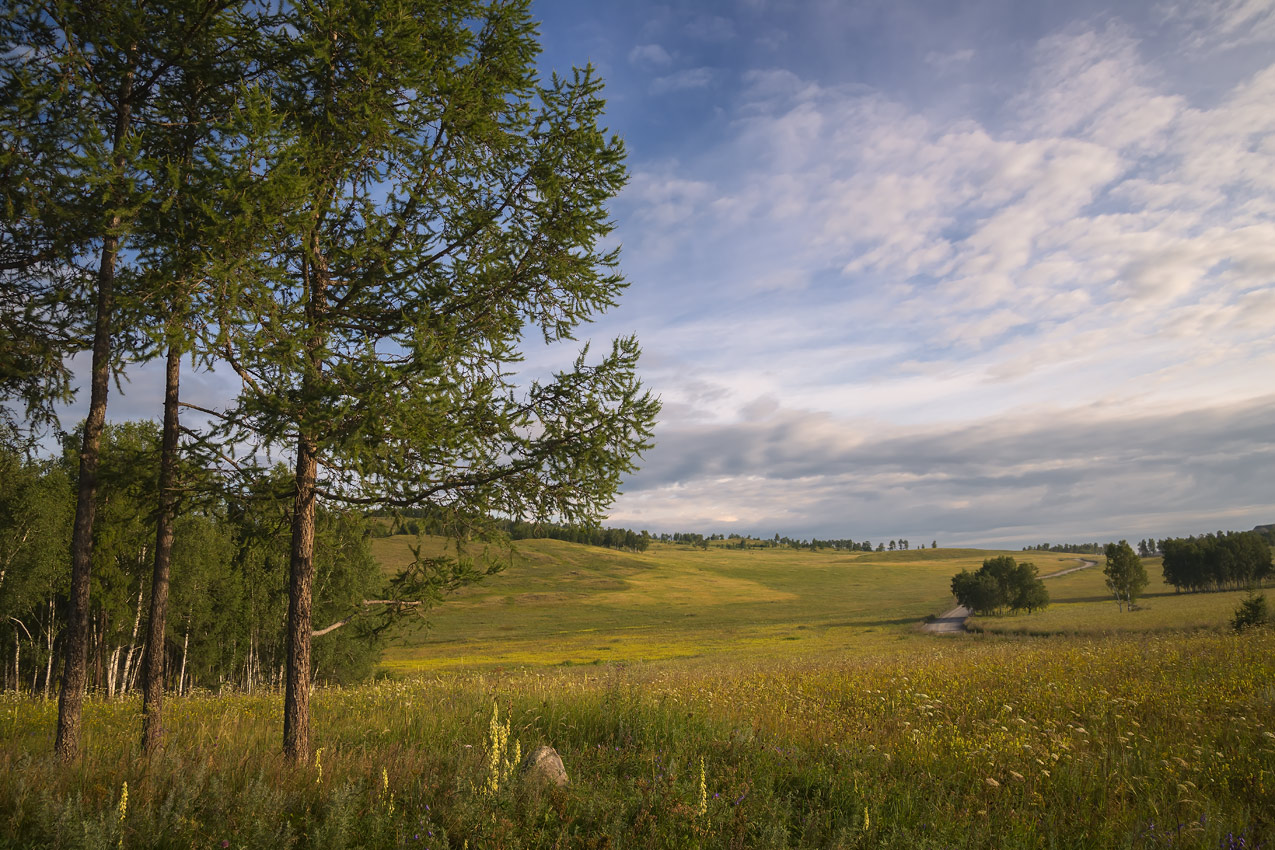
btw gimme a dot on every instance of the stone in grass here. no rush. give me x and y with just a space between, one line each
543 765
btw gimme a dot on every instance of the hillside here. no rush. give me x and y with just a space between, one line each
560 602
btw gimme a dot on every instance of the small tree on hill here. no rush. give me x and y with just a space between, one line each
1125 575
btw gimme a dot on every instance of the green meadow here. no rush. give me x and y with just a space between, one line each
762 698
558 603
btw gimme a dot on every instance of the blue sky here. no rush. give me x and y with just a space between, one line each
981 272
988 272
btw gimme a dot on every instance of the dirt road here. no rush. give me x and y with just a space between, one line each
953 622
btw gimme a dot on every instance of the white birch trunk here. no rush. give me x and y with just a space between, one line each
127 679
111 670
48 672
181 677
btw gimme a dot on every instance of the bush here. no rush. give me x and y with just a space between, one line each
1252 612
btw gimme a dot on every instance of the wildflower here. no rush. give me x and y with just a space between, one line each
703 790
123 810
318 766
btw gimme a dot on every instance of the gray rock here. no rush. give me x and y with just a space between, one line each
544 765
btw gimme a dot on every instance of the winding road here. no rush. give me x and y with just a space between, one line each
953 622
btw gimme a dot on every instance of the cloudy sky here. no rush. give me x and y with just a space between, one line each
984 271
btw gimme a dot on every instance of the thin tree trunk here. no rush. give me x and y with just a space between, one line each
296 700
126 673
48 673
153 658
75 667
181 677
111 672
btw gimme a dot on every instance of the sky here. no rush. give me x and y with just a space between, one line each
986 273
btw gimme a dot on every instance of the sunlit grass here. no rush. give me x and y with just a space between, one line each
820 714
559 602
976 743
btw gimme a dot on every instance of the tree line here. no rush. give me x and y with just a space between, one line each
361 213
227 592
1232 559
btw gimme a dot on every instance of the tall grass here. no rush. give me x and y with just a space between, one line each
1160 741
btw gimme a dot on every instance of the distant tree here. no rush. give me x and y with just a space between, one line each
934 544
1125 575
892 545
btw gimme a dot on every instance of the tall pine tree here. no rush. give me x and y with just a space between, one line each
432 202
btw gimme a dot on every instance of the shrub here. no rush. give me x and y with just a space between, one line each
1252 612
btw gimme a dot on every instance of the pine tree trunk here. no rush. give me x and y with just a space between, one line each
75 667
296 700
153 657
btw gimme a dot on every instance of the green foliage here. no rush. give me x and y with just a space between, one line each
1125 574
461 204
1001 582
1253 612
1214 561
229 570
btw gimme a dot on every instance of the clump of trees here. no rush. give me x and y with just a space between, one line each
1232 559
1000 583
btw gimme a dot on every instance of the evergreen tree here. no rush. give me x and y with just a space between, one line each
85 85
435 201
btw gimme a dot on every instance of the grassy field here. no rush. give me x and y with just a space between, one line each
760 699
563 603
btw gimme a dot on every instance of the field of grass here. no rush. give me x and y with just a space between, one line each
756 699
564 603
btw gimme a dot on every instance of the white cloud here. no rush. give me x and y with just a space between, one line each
650 56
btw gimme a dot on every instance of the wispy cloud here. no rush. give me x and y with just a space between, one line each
689 78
